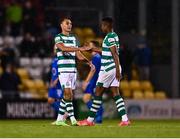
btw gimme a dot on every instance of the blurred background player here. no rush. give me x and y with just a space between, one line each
90 83
67 50
109 76
55 93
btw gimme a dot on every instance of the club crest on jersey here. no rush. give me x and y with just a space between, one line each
67 84
54 71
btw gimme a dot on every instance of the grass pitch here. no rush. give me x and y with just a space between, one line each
109 129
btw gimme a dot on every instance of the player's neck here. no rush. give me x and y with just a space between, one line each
65 33
109 30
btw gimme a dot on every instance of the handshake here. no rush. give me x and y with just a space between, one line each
87 47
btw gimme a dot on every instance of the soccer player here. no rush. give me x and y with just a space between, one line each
67 49
90 82
109 76
55 93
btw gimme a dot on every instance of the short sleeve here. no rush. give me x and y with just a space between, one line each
58 39
111 41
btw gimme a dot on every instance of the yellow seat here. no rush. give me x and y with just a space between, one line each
23 73
1 70
124 85
41 88
126 93
39 84
21 87
88 32
78 31
29 85
160 95
138 94
149 95
146 86
134 85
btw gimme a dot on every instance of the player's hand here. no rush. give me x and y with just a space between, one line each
91 66
85 48
118 75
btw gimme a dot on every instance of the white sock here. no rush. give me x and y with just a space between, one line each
60 117
72 118
124 117
90 119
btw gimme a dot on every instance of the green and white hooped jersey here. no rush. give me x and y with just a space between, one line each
66 60
107 61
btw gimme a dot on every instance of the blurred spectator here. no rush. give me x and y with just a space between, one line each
9 52
41 48
14 17
9 82
29 17
129 40
51 31
7 28
143 60
2 17
126 59
26 47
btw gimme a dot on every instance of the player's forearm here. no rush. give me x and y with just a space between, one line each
116 60
80 56
67 49
90 75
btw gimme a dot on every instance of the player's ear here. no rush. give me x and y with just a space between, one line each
61 25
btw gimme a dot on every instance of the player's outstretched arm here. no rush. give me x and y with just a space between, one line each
90 75
67 49
80 56
94 48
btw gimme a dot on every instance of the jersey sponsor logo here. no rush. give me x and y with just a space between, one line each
59 92
111 40
66 53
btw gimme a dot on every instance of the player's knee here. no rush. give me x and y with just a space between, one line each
86 98
99 91
50 100
68 95
115 91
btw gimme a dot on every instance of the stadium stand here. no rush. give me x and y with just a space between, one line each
31 66
138 94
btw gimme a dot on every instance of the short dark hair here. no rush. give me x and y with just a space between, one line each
108 20
96 43
64 17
